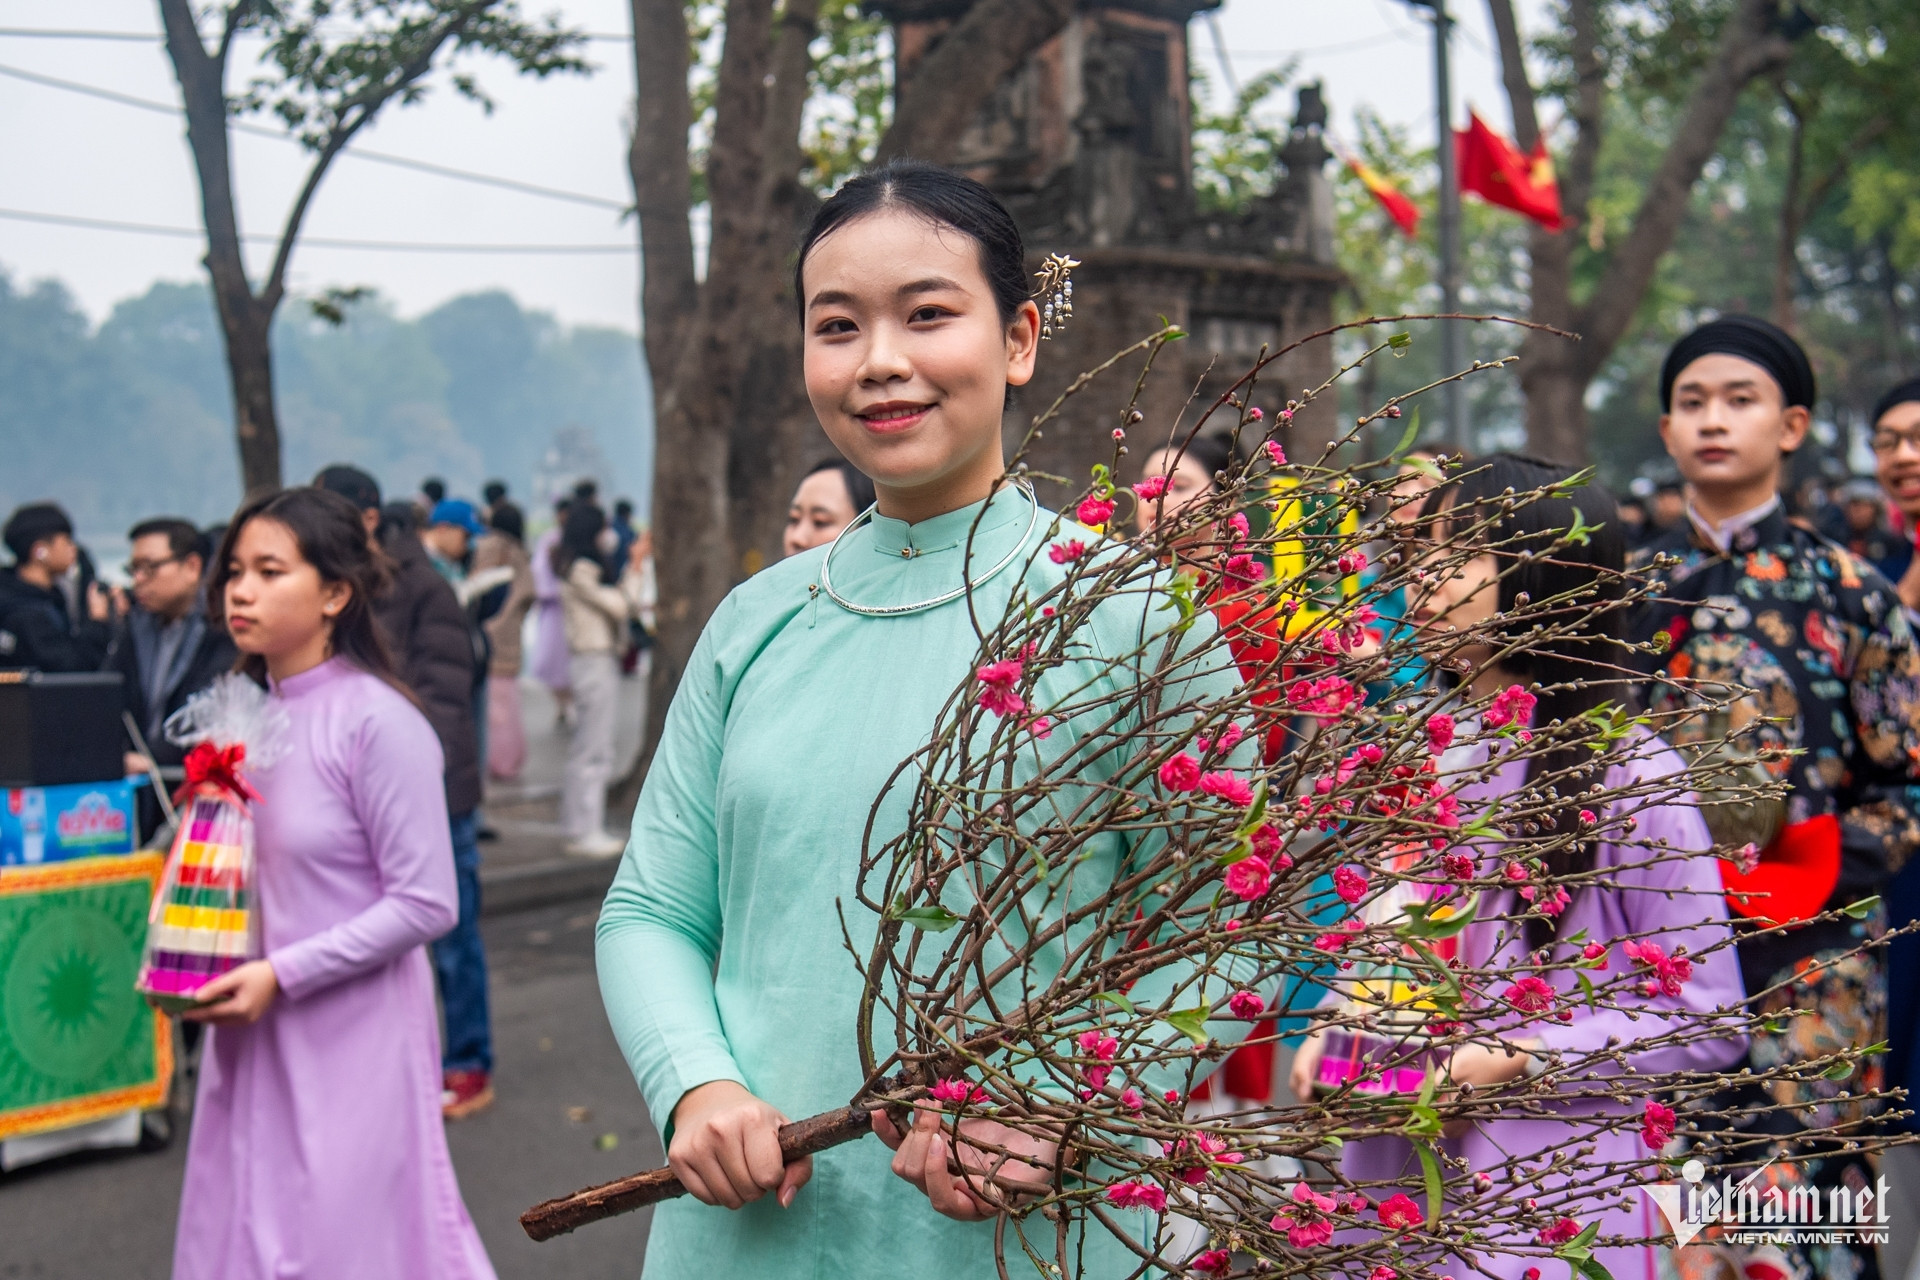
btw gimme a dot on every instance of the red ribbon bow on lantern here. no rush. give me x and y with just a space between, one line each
216 769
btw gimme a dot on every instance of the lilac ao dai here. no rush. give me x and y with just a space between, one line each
1656 892
318 1148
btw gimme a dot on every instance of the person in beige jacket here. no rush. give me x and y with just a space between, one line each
596 617
502 548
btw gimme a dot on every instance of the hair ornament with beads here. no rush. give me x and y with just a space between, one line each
1055 293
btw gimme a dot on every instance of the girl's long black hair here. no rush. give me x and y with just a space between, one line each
327 529
1500 499
579 536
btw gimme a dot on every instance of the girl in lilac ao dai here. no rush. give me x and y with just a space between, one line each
1654 885
318 1149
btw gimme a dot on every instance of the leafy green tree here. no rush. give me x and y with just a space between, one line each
329 70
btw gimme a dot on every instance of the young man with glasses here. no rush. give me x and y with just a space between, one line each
167 649
1896 465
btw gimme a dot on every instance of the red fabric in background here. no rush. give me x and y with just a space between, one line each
1253 637
1248 1071
1796 875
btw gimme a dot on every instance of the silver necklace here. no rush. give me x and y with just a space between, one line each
895 610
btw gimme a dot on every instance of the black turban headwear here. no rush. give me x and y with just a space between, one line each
1750 338
1908 390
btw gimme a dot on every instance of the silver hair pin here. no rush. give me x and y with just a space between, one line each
1055 293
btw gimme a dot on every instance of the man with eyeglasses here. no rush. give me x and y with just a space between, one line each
1896 465
167 650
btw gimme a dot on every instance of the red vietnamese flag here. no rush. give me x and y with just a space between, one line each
1402 210
1495 170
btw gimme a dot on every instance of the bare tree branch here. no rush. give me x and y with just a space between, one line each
1750 47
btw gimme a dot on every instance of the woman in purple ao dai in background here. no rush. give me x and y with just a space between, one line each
318 1148
1657 885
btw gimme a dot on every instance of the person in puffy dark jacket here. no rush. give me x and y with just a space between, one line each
426 631
36 629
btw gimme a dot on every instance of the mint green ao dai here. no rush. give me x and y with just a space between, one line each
720 948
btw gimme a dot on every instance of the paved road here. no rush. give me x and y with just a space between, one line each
565 1095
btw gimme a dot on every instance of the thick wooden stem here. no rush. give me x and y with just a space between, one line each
797 1140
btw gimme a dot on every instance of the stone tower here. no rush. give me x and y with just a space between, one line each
1090 145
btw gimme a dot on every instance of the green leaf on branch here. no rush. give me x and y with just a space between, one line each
1430 1167
1399 342
1117 1000
1407 438
1862 909
1256 814
1191 1023
932 919
1586 991
1581 533
1424 921
1838 1071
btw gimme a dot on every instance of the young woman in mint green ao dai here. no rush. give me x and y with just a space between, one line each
720 951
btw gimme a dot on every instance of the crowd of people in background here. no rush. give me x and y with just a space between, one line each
403 628
457 585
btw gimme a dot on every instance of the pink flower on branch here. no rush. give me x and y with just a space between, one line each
1066 552
1150 489
1512 705
1094 511
997 692
1304 1219
1530 994
1246 1004
1324 699
1137 1195
1229 787
1275 452
1350 884
1657 1123
1248 878
1242 571
1669 972
1560 1232
1182 773
956 1093
1214 1262
1399 1213
1439 732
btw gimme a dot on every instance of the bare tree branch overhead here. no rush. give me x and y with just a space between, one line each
325 87
1555 375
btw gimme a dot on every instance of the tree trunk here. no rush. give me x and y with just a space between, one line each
958 74
698 399
1554 374
245 325
1783 249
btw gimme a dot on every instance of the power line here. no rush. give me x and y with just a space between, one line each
311 242
52 34
377 157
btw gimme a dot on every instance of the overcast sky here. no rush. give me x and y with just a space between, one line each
66 154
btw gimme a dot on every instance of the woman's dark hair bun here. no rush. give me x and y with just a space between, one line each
941 196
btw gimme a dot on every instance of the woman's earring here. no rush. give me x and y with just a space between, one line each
1055 292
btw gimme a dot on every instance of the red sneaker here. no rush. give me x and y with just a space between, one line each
464 1092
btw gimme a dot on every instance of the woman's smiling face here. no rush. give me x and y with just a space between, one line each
908 360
